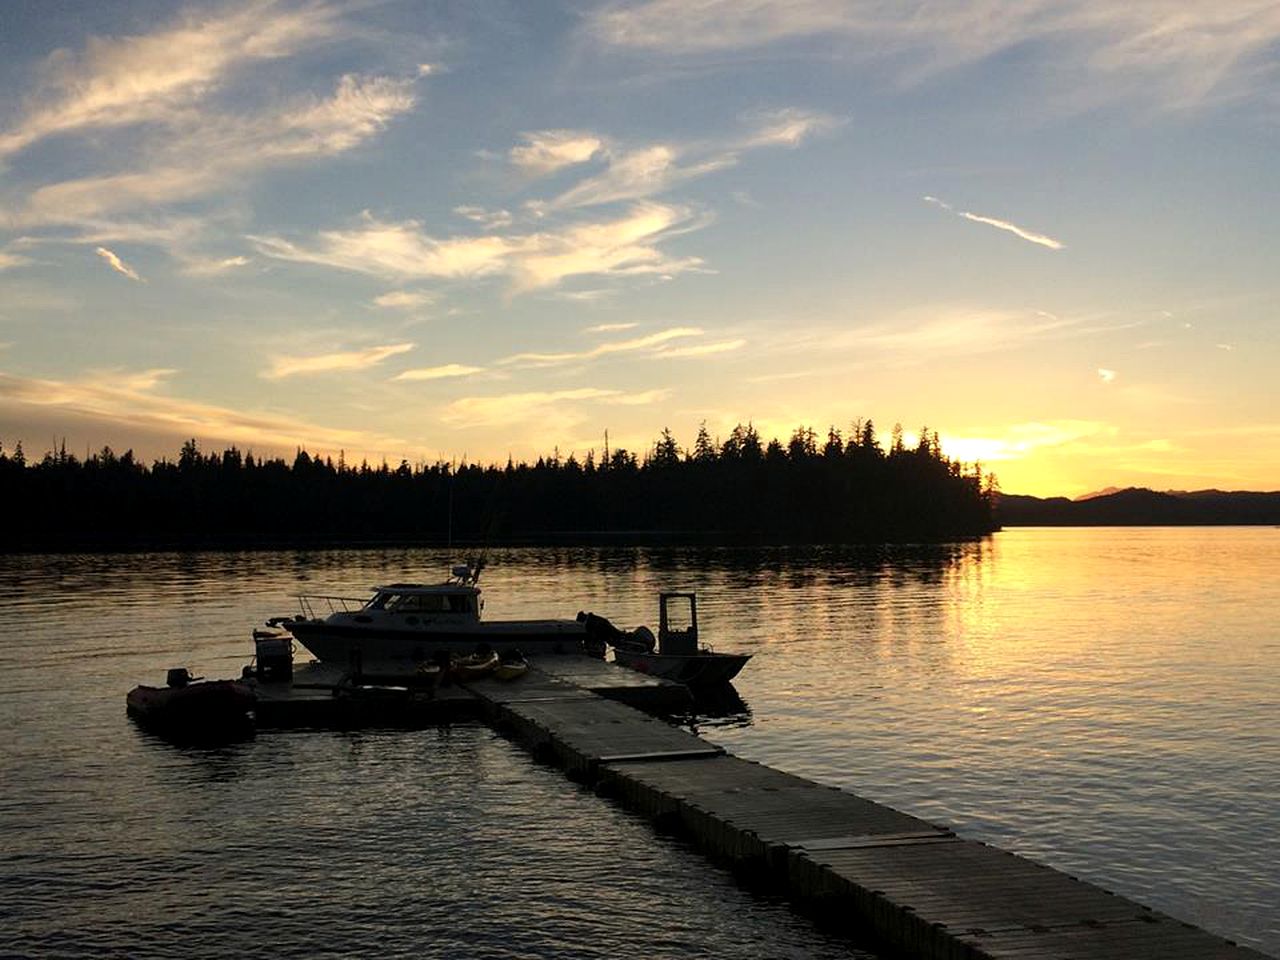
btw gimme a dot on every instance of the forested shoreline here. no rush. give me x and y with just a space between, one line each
739 490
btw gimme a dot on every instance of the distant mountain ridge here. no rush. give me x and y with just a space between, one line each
1138 506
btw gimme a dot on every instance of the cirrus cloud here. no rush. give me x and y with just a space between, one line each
442 372
539 406
118 265
647 342
546 151
1030 236
210 152
283 367
155 77
1174 53
623 246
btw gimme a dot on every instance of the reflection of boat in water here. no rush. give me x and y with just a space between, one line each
416 622
677 655
191 708
719 706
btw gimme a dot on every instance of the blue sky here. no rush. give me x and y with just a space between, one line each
436 231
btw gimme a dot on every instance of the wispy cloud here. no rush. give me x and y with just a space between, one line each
1106 376
623 246
926 333
207 152
539 406
131 400
787 127
330 362
610 327
438 373
635 172
1028 235
632 174
118 265
9 261
1022 439
585 296
646 342
156 77
701 350
404 299
181 237
1175 53
198 266
489 219
546 151
395 250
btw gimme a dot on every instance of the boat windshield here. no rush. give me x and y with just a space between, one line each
422 603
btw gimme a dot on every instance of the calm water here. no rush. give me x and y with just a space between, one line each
1105 701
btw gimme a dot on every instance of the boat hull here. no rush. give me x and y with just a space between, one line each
211 709
341 643
703 669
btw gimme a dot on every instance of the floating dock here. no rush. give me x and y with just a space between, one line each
890 880
323 694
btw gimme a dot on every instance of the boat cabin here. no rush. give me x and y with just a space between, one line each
445 599
678 624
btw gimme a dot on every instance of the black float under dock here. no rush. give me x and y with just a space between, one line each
891 880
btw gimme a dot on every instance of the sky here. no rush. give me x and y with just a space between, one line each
438 231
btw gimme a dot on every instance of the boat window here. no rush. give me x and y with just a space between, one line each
430 603
378 602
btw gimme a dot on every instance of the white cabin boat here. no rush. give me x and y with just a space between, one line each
416 622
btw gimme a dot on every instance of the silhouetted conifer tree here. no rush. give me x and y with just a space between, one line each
746 489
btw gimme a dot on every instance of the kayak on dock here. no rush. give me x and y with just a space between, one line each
476 666
511 666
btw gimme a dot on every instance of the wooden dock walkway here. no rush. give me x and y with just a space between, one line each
892 881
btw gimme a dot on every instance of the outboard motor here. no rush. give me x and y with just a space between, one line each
639 640
600 634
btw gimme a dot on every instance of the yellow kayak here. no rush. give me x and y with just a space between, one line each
511 669
474 667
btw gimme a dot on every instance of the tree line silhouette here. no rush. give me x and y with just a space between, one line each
741 489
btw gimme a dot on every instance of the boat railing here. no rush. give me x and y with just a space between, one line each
315 606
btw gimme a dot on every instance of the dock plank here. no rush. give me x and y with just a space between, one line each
614 682
932 900
747 812
583 733
1160 940
535 686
